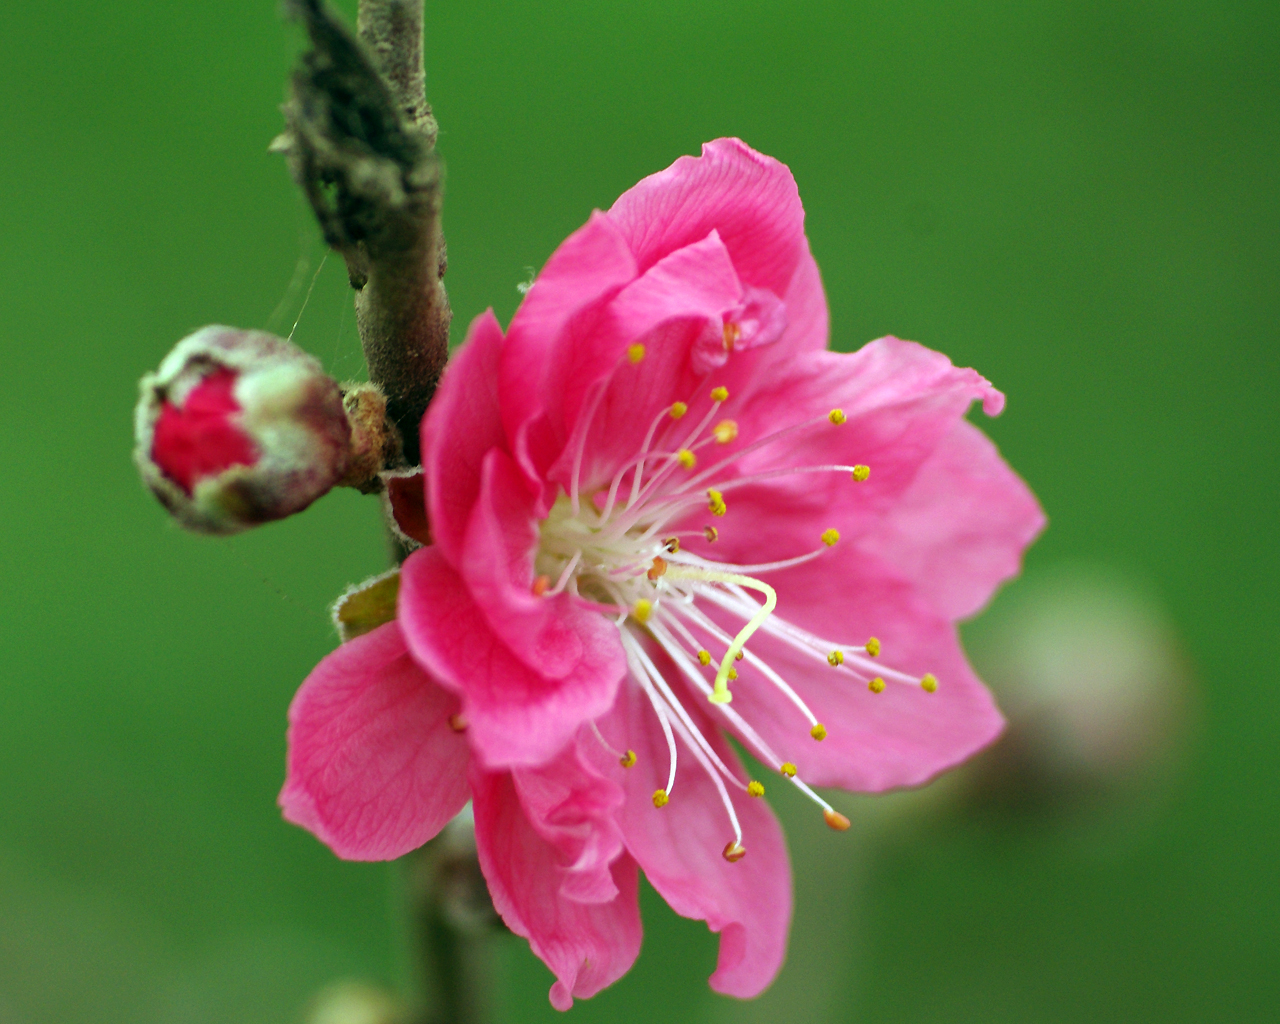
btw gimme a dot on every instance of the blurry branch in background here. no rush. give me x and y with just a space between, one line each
453 919
360 140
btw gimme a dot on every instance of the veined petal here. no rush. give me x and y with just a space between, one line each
900 401
497 565
680 847
669 310
463 423
587 946
960 529
547 336
515 714
751 199
374 768
572 806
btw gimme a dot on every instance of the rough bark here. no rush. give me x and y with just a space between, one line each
361 145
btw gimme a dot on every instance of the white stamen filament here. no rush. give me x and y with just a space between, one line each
742 605
604 742
700 749
581 447
637 462
639 675
721 695
688 558
695 615
712 471
565 576
680 655
673 702
666 469
762 750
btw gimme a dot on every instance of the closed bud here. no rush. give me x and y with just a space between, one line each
239 427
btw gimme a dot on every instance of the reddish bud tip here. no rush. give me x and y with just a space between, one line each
203 437
238 428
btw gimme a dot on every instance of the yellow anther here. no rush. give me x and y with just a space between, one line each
873 647
716 505
672 545
835 658
788 769
540 584
860 473
830 537
628 760
642 610
660 798
740 655
635 353
659 568
704 657
732 674
734 852
819 732
457 723
837 416
719 394
835 820
725 431
754 788
929 683
876 685
731 334
686 458
711 533
677 410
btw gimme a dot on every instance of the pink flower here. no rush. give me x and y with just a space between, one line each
664 514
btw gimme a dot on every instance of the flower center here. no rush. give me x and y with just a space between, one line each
620 549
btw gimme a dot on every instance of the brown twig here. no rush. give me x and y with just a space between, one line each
361 146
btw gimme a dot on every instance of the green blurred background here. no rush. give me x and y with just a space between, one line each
1079 199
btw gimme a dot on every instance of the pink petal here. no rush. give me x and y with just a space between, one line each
586 945
463 422
961 527
751 199
562 307
516 715
680 847
900 737
572 806
900 399
678 302
697 283
497 565
374 768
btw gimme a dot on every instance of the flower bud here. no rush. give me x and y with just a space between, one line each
238 428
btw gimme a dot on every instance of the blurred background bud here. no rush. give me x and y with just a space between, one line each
1095 686
240 427
354 1002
